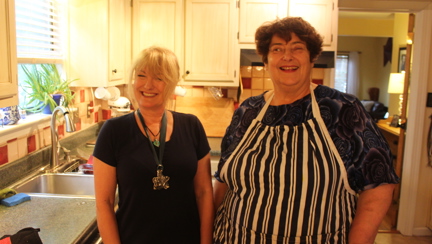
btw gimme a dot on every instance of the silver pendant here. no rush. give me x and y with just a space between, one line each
160 181
156 142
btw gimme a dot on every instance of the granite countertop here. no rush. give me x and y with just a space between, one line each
60 219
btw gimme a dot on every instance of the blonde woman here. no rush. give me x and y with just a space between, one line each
158 159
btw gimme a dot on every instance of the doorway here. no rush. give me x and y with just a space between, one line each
372 43
416 187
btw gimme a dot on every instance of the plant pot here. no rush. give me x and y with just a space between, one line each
47 109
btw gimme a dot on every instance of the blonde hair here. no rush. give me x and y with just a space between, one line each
158 61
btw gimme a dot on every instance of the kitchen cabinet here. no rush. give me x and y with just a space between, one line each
211 53
202 33
321 14
158 22
8 60
253 13
98 42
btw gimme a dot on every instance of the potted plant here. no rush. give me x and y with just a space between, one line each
45 88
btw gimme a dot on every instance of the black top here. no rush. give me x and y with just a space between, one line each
146 215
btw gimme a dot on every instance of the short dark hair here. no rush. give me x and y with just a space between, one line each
284 28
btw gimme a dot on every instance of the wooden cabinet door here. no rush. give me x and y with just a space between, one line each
158 22
117 37
8 61
319 13
97 42
253 13
210 43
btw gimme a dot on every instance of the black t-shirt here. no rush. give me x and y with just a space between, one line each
146 215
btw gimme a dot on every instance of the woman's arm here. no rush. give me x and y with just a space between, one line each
204 197
105 189
372 206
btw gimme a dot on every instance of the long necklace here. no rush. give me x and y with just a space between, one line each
156 142
160 181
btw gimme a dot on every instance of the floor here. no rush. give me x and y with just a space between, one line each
388 235
392 238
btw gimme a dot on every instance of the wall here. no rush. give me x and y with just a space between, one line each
365 27
399 40
372 71
358 29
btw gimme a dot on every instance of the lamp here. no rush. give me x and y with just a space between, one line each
396 86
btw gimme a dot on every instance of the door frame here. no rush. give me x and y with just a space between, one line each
414 147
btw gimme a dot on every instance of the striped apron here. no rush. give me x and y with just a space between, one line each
286 184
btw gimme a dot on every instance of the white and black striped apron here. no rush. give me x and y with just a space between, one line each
286 184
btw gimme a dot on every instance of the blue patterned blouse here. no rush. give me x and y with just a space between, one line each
361 145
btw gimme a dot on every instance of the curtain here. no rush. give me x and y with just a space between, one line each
353 73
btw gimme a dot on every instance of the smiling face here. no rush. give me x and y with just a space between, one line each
149 90
289 63
153 78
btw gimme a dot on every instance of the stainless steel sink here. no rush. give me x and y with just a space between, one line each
64 185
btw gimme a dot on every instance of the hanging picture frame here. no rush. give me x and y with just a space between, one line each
401 60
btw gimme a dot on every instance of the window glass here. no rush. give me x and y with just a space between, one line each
40 32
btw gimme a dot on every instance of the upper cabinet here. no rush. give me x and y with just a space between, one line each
8 61
98 42
157 22
202 33
321 14
211 53
253 13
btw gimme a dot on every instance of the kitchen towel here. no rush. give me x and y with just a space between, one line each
27 235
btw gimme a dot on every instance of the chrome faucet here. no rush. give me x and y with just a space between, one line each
55 144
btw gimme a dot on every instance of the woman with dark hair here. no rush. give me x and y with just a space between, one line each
302 163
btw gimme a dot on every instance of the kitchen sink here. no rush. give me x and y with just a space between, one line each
64 185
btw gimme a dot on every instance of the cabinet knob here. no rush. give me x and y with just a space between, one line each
114 70
187 72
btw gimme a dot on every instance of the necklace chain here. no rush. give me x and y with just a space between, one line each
155 140
152 132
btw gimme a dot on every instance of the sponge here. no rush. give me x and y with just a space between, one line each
15 199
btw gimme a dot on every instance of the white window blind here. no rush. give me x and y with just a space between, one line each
39 31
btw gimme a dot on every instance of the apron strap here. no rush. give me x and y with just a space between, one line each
315 108
264 109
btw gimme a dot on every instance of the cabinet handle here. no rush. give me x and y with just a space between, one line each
114 70
187 72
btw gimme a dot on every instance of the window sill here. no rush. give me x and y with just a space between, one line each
24 126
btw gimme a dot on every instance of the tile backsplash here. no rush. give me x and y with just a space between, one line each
33 133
